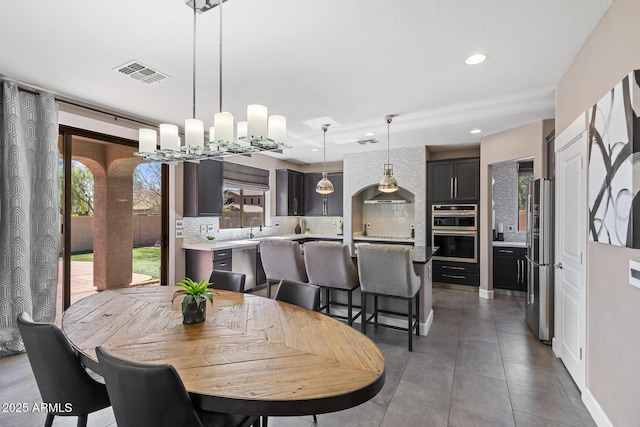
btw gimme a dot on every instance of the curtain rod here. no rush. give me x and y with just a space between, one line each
77 103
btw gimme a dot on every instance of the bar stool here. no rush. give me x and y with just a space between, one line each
387 271
329 266
282 260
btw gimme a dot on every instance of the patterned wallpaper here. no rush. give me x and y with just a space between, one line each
505 198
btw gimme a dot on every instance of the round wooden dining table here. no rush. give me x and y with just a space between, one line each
252 355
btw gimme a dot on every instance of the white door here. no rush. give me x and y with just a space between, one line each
570 238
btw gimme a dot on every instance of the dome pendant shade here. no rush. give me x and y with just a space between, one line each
388 183
324 186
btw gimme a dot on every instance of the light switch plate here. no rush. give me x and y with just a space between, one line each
209 228
510 228
179 234
203 228
634 273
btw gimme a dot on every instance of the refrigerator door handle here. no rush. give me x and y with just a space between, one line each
535 263
519 271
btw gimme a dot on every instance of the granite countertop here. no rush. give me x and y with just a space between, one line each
510 244
243 243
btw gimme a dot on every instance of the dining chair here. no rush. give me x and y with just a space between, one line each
227 280
387 271
303 295
282 260
64 384
329 265
154 395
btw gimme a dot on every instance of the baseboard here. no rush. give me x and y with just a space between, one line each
486 294
555 347
595 409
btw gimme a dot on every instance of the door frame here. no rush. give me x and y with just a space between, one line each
576 133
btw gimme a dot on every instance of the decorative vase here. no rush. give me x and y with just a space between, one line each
195 313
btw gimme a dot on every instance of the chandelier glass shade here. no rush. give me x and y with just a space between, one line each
324 186
260 133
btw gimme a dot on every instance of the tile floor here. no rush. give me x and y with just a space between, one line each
479 366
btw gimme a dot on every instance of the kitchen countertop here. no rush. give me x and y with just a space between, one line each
510 244
244 243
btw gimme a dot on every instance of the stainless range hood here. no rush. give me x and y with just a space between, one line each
387 198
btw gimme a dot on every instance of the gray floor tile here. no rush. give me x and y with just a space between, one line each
527 420
430 371
532 375
479 401
565 378
544 402
482 330
417 405
479 357
366 415
519 348
583 413
291 422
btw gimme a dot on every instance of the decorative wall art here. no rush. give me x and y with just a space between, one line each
614 165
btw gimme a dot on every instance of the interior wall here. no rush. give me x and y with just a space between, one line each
613 317
452 154
526 141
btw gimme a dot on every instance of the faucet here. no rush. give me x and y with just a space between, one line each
251 235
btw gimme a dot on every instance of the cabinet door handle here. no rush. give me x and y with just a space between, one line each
455 193
451 191
505 251
453 276
452 268
224 264
518 280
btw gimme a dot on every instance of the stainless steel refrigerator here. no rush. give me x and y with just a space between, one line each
539 304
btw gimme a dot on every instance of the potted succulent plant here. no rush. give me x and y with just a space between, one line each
194 303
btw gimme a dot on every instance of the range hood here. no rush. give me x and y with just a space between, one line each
386 198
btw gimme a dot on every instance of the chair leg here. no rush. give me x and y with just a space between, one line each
268 288
410 326
375 309
327 294
265 420
363 316
315 419
417 313
49 420
82 420
349 308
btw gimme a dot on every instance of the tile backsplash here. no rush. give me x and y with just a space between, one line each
279 225
505 198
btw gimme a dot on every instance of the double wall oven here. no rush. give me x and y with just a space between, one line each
454 229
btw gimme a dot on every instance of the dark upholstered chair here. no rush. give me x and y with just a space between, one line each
387 270
227 280
329 266
282 260
61 379
154 395
304 295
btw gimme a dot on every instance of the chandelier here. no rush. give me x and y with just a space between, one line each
388 184
260 133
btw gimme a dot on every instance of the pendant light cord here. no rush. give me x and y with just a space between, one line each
220 56
388 118
194 60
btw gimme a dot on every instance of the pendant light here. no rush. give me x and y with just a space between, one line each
388 183
324 185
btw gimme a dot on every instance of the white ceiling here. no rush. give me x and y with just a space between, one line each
353 61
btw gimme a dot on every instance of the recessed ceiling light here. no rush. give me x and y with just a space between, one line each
474 131
476 58
369 134
314 149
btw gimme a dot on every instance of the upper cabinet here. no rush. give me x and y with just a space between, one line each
289 192
203 188
454 180
317 204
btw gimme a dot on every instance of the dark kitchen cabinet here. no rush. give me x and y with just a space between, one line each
317 204
510 268
457 273
454 180
289 192
203 188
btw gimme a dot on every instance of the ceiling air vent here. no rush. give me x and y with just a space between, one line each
138 71
368 141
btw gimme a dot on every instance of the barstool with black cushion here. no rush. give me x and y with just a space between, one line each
387 271
329 265
227 280
154 395
62 380
282 260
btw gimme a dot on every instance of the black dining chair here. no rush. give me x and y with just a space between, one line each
304 295
154 395
63 382
227 280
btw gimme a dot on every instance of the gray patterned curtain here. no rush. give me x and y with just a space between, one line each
29 213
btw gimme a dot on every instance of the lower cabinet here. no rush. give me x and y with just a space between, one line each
510 268
457 273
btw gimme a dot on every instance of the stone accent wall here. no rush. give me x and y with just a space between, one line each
364 170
